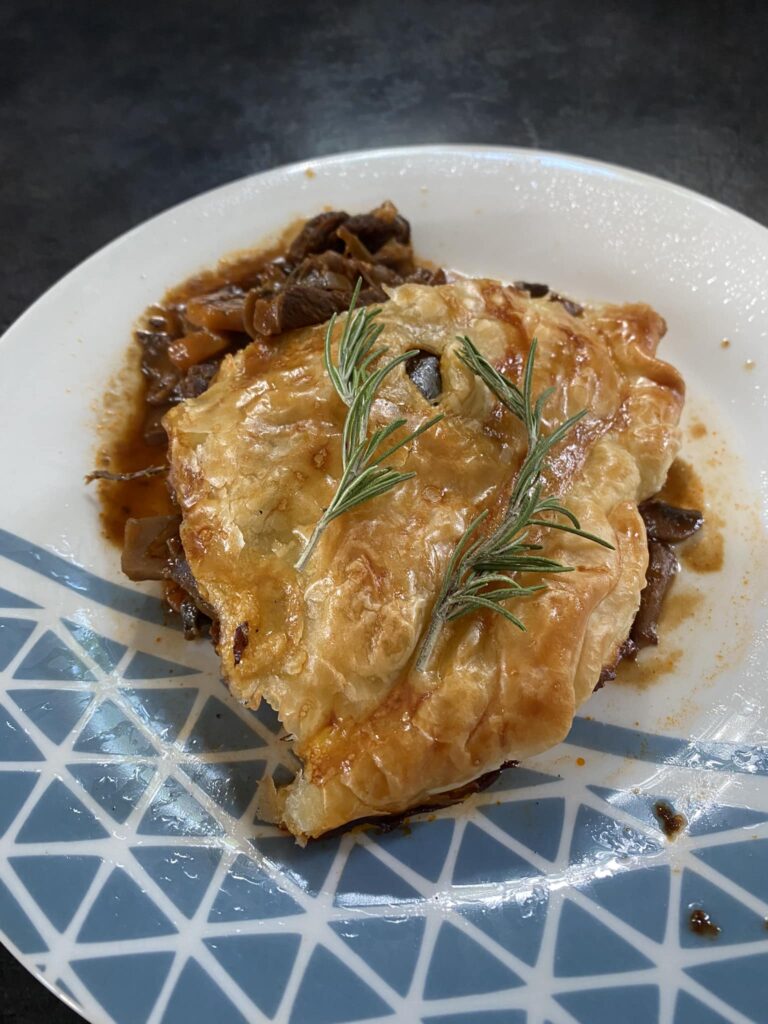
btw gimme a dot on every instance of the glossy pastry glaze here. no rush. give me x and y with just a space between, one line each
256 459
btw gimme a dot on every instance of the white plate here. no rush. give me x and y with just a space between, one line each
132 878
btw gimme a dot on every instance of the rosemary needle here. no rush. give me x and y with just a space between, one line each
482 570
356 379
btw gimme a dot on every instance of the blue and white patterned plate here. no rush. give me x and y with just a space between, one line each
135 879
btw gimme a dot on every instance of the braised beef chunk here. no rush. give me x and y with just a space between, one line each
152 430
664 525
160 373
193 622
423 275
424 371
179 572
318 235
145 550
669 523
328 270
662 568
221 310
240 642
539 291
378 227
374 247
195 381
536 291
608 673
568 304
297 306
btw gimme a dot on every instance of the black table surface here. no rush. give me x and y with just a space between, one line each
111 112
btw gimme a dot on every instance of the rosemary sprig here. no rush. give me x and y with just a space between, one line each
356 382
482 570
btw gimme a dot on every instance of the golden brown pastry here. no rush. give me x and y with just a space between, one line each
256 459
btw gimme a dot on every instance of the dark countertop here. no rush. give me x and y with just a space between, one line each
109 113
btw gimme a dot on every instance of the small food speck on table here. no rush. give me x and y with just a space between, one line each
702 924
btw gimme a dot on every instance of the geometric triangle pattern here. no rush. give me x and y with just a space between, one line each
10 600
15 788
220 728
583 941
133 868
423 847
473 1017
516 924
690 1011
483 860
14 633
737 922
521 778
149 666
110 731
390 946
248 894
57 884
743 863
182 872
126 986
122 911
460 967
599 838
328 991
260 964
231 784
105 652
117 786
15 743
639 898
163 710
197 997
741 983
51 660
536 823
175 812
54 712
17 926
305 868
630 1004
367 881
59 817
724 819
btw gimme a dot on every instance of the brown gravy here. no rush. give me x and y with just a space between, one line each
706 550
123 448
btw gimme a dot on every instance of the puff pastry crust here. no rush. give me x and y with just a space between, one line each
255 460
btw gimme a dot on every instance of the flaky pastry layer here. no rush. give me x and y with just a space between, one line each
256 459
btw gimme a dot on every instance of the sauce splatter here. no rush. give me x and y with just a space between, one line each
672 822
679 606
649 666
702 924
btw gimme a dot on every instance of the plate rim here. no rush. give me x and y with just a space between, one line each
571 162
333 160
